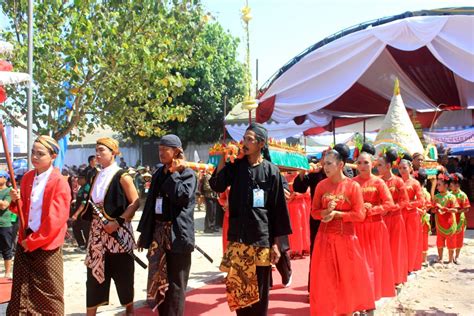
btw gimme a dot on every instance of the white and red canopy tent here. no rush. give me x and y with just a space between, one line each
351 74
237 121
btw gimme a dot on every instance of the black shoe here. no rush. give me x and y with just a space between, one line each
209 231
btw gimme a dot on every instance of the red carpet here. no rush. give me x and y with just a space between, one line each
470 217
211 300
5 290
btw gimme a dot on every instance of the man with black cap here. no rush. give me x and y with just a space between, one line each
167 229
258 217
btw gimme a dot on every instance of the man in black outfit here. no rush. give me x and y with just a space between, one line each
258 218
167 229
210 200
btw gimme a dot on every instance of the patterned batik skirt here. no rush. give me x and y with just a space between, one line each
38 284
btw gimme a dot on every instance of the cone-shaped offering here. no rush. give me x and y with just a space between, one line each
397 130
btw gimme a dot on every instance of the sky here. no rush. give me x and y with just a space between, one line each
281 29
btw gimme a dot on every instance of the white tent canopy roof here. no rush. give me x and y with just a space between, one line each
365 64
238 118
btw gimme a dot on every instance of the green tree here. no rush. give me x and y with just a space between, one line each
121 60
217 75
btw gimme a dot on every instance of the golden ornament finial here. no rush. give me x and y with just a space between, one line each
246 14
396 88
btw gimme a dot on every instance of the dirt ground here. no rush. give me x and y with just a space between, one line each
439 289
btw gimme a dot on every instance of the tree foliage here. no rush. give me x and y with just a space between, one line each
123 63
217 76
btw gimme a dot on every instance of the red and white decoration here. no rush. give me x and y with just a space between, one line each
433 57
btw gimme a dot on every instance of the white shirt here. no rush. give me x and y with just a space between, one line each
102 181
36 199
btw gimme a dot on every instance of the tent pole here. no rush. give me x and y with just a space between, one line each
223 121
29 121
334 131
364 130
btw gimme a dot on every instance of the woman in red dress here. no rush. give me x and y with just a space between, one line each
393 219
464 206
421 176
372 233
297 210
224 202
339 273
411 214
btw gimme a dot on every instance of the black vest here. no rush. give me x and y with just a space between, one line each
115 201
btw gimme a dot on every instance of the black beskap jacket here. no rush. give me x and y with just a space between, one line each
179 199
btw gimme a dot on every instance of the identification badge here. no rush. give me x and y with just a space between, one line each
159 206
258 198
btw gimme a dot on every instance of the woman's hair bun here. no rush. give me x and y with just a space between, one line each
368 148
391 155
343 150
407 156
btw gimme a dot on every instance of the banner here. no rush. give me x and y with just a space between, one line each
461 141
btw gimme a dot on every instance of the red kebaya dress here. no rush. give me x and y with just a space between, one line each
339 273
445 221
225 223
305 224
412 218
373 235
396 229
463 203
296 209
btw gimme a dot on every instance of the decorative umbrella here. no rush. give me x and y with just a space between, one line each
5 47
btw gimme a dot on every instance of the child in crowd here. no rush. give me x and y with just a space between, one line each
445 205
464 206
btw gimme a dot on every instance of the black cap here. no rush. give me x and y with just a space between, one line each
170 140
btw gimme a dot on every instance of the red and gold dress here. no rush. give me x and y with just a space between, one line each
297 209
463 203
340 281
223 201
396 229
445 221
412 218
373 235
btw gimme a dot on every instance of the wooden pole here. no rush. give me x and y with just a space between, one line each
12 175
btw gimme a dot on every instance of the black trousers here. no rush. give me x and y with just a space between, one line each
80 229
210 219
6 243
284 268
261 307
219 215
178 265
121 268
313 231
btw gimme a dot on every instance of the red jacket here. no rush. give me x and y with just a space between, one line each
55 211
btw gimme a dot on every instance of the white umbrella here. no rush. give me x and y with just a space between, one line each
5 47
7 77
